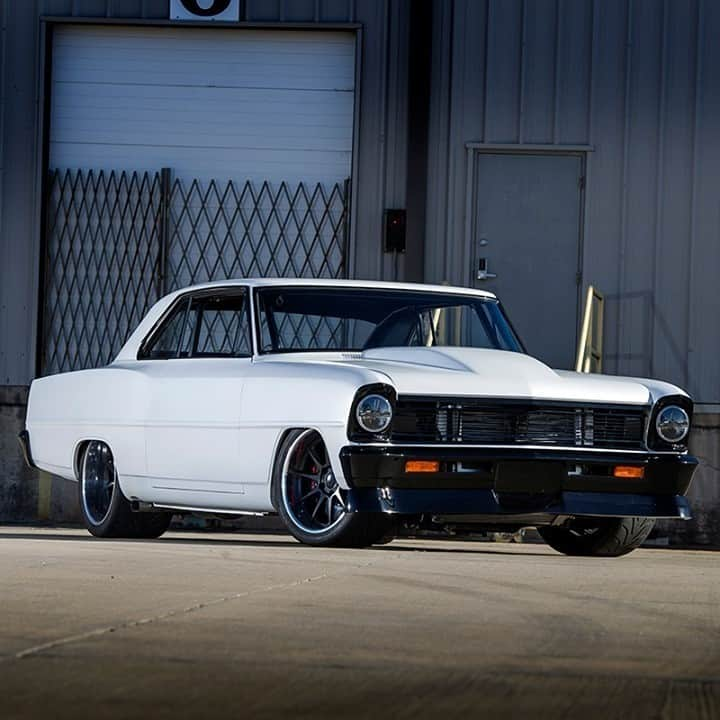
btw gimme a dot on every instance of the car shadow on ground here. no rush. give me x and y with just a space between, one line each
276 540
482 548
168 540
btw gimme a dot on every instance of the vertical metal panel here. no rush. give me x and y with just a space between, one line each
262 10
458 110
298 10
704 348
4 313
396 165
641 168
56 7
155 9
418 91
605 192
503 70
17 234
91 8
125 8
373 98
472 30
438 219
337 10
573 62
674 194
539 71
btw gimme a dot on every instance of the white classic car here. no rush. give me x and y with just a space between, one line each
348 407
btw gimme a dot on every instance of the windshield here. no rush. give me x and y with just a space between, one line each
353 319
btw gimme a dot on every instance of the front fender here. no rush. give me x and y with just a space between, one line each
286 395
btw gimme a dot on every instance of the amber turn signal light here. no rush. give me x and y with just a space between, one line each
417 466
629 471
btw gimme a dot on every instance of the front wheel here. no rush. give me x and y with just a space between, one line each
310 501
598 537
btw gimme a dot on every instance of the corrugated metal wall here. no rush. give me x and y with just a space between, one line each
380 160
639 80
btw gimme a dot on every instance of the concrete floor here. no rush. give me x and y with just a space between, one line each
252 626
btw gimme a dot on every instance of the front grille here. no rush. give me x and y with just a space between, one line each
479 422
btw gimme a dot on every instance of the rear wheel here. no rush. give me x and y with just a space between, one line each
598 537
310 501
150 525
104 509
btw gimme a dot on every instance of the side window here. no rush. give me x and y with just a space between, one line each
223 329
209 326
174 337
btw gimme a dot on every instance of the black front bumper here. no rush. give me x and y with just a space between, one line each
474 481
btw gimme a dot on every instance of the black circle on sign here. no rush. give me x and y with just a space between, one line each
215 9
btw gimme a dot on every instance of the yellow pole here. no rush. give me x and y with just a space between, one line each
580 365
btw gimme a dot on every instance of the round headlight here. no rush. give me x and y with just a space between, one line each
672 424
374 413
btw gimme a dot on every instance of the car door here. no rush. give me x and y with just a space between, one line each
197 363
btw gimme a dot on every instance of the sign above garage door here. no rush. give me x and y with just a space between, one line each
210 103
224 10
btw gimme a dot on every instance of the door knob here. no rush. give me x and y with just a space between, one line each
482 271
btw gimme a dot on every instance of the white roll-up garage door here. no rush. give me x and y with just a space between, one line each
223 104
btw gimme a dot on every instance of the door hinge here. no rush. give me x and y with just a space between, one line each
581 182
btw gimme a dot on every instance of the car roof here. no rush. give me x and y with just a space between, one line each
130 349
337 283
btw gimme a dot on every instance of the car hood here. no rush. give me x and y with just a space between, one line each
496 373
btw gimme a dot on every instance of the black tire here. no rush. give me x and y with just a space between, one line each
343 529
598 537
105 511
150 525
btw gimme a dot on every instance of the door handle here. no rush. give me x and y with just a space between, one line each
482 270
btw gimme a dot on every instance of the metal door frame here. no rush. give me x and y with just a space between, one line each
475 149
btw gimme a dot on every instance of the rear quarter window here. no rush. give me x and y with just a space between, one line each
202 326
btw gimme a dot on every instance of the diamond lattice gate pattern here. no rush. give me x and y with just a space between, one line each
102 243
116 241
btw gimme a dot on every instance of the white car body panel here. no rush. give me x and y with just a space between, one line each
192 444
203 433
492 373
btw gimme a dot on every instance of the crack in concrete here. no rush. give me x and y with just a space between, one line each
98 632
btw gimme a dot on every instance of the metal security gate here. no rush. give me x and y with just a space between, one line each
115 242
